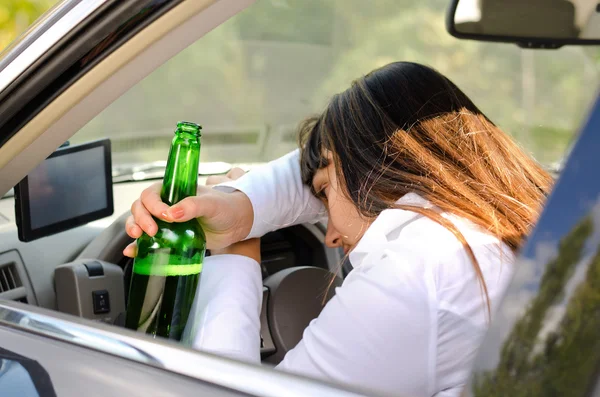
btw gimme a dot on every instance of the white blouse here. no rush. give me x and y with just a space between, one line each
408 318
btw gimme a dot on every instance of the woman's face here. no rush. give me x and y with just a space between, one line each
345 227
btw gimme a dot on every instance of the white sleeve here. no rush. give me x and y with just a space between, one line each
225 316
377 333
278 196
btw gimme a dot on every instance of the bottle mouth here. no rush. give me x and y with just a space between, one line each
189 127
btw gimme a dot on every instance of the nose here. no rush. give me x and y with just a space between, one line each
332 238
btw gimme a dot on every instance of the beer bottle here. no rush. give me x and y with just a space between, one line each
167 268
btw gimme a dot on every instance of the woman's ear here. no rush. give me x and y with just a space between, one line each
328 154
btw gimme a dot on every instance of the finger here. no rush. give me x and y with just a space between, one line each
143 219
132 229
236 173
205 204
150 198
130 250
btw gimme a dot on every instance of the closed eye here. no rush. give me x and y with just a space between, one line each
322 192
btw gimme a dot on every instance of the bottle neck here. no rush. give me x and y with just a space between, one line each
181 175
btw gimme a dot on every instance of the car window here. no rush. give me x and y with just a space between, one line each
544 338
251 80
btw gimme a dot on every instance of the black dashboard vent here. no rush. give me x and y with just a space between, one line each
14 281
9 278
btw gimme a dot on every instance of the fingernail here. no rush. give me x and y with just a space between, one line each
176 213
165 216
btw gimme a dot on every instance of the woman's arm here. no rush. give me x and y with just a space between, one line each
377 332
269 198
278 196
225 315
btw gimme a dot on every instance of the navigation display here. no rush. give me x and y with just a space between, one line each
70 188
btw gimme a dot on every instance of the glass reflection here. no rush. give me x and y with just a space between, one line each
544 339
21 376
553 348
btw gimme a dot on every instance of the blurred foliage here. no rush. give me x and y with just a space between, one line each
314 13
257 75
17 15
564 360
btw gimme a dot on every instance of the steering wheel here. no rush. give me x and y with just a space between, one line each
291 297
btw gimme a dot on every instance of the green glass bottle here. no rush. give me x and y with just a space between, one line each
167 268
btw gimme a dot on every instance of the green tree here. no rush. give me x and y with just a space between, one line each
17 15
536 96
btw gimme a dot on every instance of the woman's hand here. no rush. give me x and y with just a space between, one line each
225 217
249 248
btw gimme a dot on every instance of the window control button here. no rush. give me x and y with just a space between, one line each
94 269
101 302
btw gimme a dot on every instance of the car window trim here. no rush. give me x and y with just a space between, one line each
234 375
112 24
41 39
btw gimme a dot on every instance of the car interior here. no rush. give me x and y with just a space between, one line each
90 259
248 72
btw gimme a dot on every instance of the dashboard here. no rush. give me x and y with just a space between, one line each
27 269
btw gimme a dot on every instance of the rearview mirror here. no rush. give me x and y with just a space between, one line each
528 23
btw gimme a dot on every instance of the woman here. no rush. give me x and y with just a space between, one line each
429 198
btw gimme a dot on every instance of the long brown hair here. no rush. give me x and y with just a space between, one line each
407 128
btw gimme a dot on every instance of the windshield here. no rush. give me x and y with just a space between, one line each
251 80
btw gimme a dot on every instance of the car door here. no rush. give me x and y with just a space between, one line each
47 353
35 365
545 340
